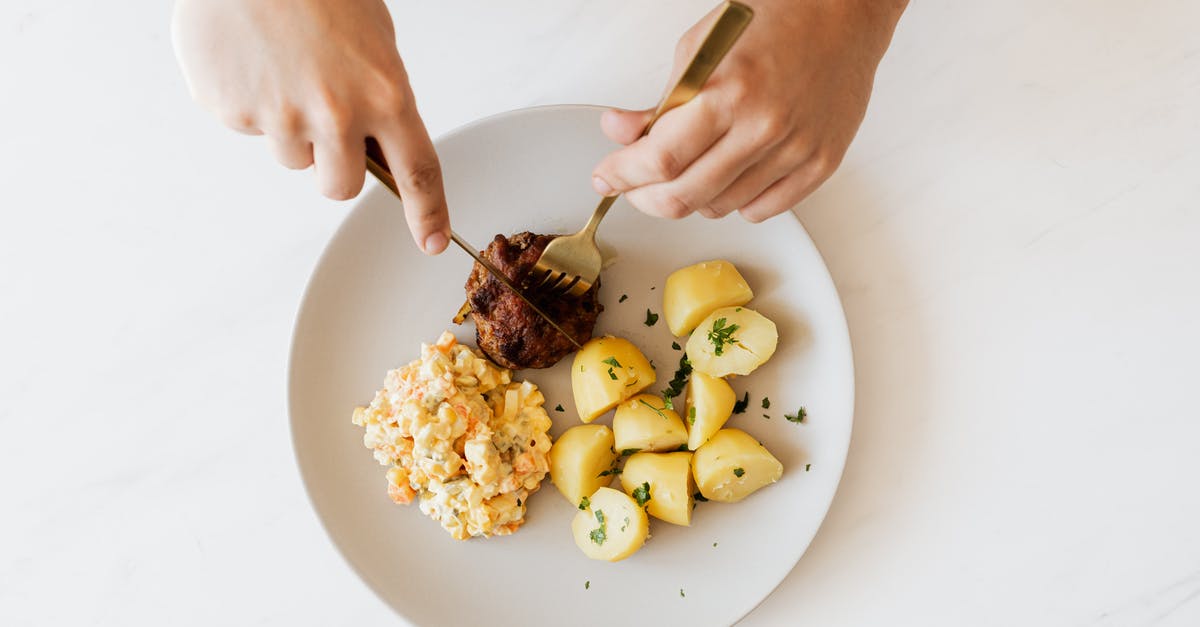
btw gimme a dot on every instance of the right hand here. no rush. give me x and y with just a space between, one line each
317 77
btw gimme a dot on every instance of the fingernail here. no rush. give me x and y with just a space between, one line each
601 187
435 243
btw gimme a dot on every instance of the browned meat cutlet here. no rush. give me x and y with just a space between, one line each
508 330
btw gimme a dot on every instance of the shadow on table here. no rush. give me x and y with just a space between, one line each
848 220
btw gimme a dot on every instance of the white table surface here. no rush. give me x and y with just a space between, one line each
1015 236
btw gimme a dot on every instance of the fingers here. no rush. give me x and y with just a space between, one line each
755 180
292 152
788 191
676 141
414 164
625 127
340 165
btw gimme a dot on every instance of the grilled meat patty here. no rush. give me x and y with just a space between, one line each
509 331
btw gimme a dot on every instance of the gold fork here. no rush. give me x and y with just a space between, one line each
571 263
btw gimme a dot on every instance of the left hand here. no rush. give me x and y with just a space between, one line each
771 124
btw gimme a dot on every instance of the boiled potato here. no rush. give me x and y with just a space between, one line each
733 340
732 465
669 477
710 403
579 457
643 423
693 292
606 371
610 526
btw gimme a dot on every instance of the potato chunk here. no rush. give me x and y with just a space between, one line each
579 457
607 371
643 423
733 340
610 526
710 403
693 292
666 478
732 465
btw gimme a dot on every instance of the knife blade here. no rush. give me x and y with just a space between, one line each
375 167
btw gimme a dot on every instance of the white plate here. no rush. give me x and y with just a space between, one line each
373 299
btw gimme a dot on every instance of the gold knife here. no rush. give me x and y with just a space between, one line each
375 165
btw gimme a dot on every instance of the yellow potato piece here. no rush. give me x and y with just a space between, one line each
732 465
669 477
611 526
606 371
645 424
693 292
579 457
710 403
733 340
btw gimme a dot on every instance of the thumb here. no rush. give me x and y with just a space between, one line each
625 127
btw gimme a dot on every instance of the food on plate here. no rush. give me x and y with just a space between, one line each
732 340
459 434
510 331
710 402
732 465
610 525
663 483
605 372
643 423
582 460
693 292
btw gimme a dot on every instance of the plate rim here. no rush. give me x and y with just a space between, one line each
843 335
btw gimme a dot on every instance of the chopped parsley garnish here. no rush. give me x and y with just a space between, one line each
675 387
587 584
612 375
807 467
623 298
681 593
691 415
766 416
681 447
738 472
518 502
626 524
714 544
651 318
653 408
585 503
612 361
741 405
558 407
699 497
641 494
629 451
799 416
766 403
599 534
675 345
609 472
720 335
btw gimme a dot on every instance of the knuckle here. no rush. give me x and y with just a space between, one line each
665 165
333 118
421 177
826 162
769 128
672 205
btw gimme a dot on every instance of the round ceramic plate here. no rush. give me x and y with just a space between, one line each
373 299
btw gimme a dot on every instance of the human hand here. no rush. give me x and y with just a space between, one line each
771 124
317 77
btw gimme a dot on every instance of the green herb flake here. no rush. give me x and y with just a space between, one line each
681 593
585 503
691 415
766 404
721 335
653 408
623 298
675 345
612 375
675 387
699 497
558 407
626 524
681 448
629 451
651 318
714 545
738 472
612 361
641 494
798 417
766 416
740 406
807 467
610 472
587 584
599 534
